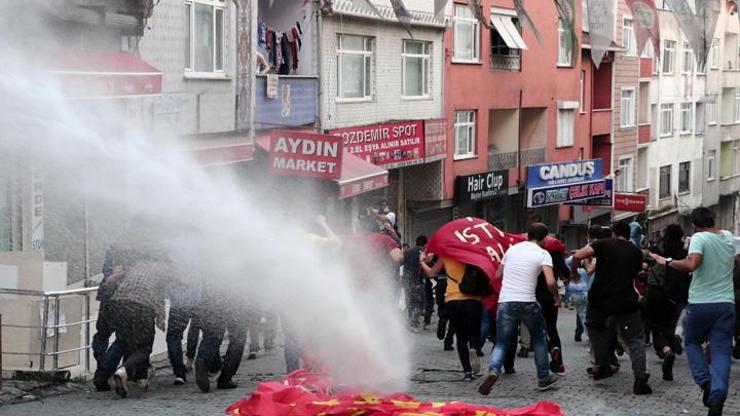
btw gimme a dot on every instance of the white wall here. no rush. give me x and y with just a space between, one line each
387 103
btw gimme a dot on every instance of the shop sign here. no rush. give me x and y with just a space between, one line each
307 155
390 145
561 194
551 174
354 188
435 140
630 202
482 186
606 201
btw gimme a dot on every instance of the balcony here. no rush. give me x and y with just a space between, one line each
506 62
730 78
294 105
728 185
601 122
500 161
730 131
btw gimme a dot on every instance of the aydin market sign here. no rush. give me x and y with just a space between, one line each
552 174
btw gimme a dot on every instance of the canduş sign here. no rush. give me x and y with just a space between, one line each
551 174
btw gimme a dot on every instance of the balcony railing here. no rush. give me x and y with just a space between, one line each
506 62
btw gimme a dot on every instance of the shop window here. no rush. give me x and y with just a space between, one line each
684 177
464 134
466 35
665 182
354 67
417 59
205 36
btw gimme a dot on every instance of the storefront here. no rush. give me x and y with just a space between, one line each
411 151
552 185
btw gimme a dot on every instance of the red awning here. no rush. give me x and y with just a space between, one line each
220 149
96 75
358 175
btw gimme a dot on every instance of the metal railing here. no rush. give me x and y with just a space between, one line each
53 300
506 62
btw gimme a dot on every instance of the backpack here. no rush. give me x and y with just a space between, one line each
474 282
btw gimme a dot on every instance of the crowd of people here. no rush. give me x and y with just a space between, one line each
628 294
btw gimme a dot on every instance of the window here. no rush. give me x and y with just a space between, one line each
669 49
647 50
584 16
736 154
711 164
684 175
566 127
416 68
736 112
642 168
688 59
714 54
582 92
686 117
464 134
665 182
712 111
666 120
565 47
628 38
466 35
506 40
205 19
624 180
354 67
627 108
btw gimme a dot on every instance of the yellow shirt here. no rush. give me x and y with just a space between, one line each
455 271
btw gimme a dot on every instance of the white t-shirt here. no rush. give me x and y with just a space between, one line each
522 264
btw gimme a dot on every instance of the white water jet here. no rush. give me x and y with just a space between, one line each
254 250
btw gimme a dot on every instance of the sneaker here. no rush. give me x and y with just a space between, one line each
641 386
601 372
736 350
578 338
490 380
252 356
509 371
547 383
668 361
201 376
226 385
441 329
449 347
523 352
468 377
119 382
560 370
179 381
474 362
150 373
189 365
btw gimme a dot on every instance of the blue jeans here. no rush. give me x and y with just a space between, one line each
713 322
509 315
580 302
485 326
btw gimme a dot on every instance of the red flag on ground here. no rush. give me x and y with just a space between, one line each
289 399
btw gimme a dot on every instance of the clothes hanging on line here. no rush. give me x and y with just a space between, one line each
282 47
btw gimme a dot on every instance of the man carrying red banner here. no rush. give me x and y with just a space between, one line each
470 250
520 269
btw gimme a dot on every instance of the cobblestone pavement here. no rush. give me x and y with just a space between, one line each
437 377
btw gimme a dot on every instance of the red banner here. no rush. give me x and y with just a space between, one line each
630 202
306 394
648 27
435 140
390 145
306 155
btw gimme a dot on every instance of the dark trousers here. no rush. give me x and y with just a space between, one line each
550 312
134 327
104 328
428 301
216 320
444 317
465 316
178 320
602 328
661 315
415 302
